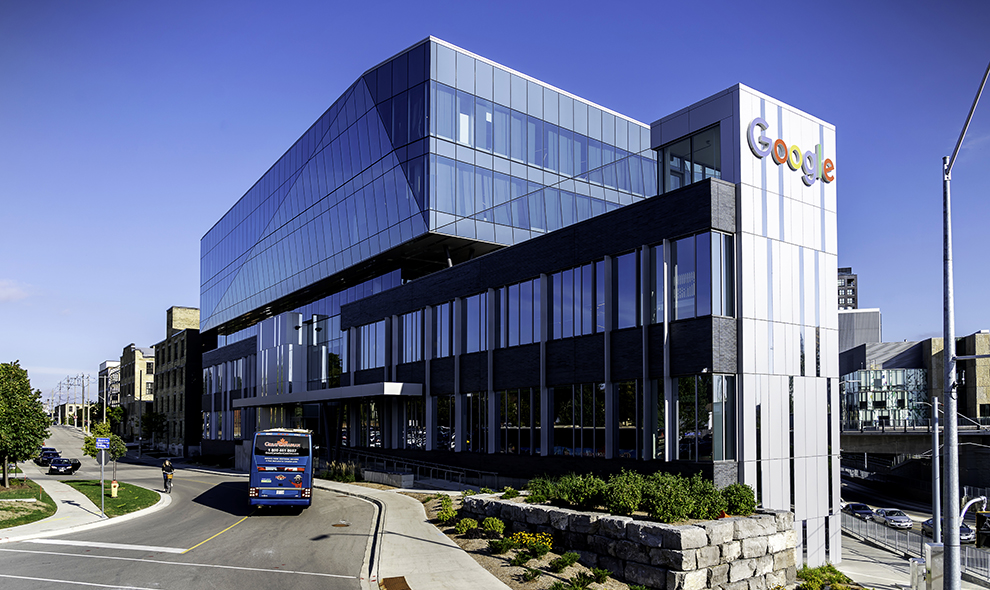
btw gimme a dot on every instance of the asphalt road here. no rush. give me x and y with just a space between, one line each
207 537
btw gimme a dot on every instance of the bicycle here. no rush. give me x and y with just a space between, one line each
168 483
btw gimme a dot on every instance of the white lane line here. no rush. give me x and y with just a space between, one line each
74 583
99 545
188 564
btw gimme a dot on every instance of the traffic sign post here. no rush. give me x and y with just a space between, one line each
102 457
103 443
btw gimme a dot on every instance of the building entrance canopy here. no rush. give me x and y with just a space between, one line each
386 388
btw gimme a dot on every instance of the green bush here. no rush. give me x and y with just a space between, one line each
624 493
531 574
600 574
541 489
740 498
466 493
465 525
493 524
521 559
637 587
708 502
559 586
509 493
564 561
342 472
820 577
500 546
582 491
446 501
581 580
446 514
666 497
486 491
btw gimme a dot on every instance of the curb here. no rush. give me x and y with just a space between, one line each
372 554
163 502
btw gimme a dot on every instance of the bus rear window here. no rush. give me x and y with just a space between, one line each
281 445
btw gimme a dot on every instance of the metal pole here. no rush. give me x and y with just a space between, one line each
936 474
953 569
951 536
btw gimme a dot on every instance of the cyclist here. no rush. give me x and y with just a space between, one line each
167 470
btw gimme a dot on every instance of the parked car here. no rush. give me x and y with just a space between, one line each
46 457
858 510
893 518
60 466
43 449
966 534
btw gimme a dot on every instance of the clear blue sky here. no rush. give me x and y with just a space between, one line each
128 128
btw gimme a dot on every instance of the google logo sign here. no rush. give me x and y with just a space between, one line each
810 163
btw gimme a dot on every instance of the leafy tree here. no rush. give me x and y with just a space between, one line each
154 423
117 447
23 420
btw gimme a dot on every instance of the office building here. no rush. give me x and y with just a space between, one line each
137 388
859 326
109 383
460 260
848 288
179 383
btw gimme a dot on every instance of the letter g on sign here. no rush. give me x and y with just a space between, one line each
760 145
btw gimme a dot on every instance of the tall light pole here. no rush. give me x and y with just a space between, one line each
953 566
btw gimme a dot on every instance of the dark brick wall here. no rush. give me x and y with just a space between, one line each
518 366
369 376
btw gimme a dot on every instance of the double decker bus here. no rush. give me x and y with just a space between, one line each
281 468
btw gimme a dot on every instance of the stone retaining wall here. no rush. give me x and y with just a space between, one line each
737 553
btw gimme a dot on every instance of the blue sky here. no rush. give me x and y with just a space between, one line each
128 128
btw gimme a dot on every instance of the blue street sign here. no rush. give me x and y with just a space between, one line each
102 443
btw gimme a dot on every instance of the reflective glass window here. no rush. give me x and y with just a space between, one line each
476 323
656 284
445 182
517 136
502 188
483 196
501 127
600 296
566 157
552 200
465 116
626 290
444 111
535 153
484 125
465 189
703 272
551 146
683 282
443 341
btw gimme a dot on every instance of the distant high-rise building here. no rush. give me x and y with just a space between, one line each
848 289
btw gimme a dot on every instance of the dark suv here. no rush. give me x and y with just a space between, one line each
46 457
60 466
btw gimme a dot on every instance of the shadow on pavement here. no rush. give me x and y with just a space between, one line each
230 497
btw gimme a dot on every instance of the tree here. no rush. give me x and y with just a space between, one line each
117 447
23 420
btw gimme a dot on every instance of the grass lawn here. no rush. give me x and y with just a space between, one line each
130 498
17 513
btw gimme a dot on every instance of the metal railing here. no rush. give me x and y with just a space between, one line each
975 561
422 469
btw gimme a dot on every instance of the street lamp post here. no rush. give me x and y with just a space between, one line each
953 569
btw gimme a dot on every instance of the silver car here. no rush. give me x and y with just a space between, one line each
893 518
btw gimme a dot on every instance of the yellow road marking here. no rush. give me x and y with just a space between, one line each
221 532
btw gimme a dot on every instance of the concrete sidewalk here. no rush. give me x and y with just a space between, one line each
75 512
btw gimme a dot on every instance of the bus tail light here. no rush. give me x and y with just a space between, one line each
307 492
252 492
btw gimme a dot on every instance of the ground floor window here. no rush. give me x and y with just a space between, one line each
415 422
579 420
237 428
629 406
519 421
706 418
370 433
476 421
445 435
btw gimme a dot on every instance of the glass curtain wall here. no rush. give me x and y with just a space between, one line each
702 277
579 420
415 423
691 160
706 414
519 419
445 433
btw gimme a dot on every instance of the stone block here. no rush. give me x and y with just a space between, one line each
757 583
646 575
767 522
708 556
754 547
776 579
731 551
629 551
612 564
573 541
584 523
588 558
675 559
718 575
784 559
560 518
783 518
696 580
746 528
545 528
512 512
776 543
536 514
764 565
740 569
791 574
739 585
719 531
613 526
647 533
790 538
601 545
684 537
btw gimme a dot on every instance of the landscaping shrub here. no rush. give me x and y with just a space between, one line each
582 491
740 498
466 493
822 577
486 491
494 525
521 559
446 512
465 525
708 502
509 493
500 546
581 580
531 574
600 574
540 543
624 493
564 561
541 489
446 501
342 472
666 497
